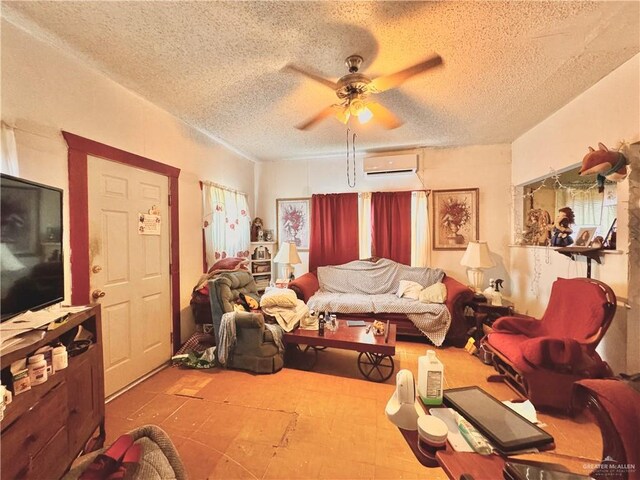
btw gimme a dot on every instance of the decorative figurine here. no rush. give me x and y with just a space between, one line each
605 164
560 230
537 231
256 227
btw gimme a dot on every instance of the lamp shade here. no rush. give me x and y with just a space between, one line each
477 255
288 253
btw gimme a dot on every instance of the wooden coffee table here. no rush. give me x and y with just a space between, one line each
375 361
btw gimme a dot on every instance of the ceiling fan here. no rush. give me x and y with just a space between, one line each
354 90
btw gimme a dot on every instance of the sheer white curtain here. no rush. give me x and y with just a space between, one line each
364 224
589 206
419 230
9 151
226 223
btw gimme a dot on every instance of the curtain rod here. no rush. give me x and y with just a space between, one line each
223 187
425 190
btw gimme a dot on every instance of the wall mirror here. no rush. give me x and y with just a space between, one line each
594 212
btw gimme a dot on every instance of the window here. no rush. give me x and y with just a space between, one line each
543 199
226 223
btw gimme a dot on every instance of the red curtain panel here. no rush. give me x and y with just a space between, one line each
334 229
391 225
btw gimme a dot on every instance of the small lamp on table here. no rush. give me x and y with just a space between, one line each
288 255
478 258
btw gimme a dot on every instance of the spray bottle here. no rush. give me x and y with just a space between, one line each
430 379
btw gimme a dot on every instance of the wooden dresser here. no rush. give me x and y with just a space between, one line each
45 428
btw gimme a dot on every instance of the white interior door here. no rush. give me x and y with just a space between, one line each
131 269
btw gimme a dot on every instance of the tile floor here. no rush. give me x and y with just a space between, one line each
326 424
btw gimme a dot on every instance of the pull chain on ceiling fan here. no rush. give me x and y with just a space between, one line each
354 91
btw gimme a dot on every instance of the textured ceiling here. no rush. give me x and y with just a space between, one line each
217 65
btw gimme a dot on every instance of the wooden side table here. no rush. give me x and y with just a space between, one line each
485 314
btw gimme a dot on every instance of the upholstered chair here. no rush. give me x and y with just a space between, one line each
541 359
614 404
255 349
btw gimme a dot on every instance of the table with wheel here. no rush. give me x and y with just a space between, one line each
375 360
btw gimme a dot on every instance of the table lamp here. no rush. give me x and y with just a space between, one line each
288 255
477 258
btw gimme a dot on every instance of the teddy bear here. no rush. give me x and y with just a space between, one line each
605 164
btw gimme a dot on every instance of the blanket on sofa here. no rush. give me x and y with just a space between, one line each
362 286
432 319
373 278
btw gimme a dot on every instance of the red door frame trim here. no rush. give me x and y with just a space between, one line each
79 149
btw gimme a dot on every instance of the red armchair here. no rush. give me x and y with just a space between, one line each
615 404
541 359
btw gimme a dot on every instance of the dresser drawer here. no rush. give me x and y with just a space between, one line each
34 429
51 461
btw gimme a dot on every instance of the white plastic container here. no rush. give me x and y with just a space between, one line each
432 435
60 359
430 379
37 369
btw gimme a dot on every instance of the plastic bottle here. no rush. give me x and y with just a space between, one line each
37 369
321 323
60 360
430 379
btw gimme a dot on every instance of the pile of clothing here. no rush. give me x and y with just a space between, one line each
200 294
283 305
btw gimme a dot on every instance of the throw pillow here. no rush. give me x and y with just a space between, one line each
278 297
409 289
436 293
229 263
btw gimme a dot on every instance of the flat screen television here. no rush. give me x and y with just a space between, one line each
31 255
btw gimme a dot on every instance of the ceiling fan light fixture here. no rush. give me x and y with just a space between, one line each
356 106
343 115
354 89
365 115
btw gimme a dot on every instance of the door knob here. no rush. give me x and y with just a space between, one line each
96 269
96 294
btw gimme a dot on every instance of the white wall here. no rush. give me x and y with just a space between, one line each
608 112
486 167
302 178
45 91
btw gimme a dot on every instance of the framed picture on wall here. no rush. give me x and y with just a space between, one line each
294 221
610 241
455 218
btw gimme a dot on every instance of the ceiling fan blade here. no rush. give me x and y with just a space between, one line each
388 82
327 112
384 116
313 76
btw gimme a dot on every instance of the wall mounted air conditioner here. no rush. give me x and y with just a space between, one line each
391 164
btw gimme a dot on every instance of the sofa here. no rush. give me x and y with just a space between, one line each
458 296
